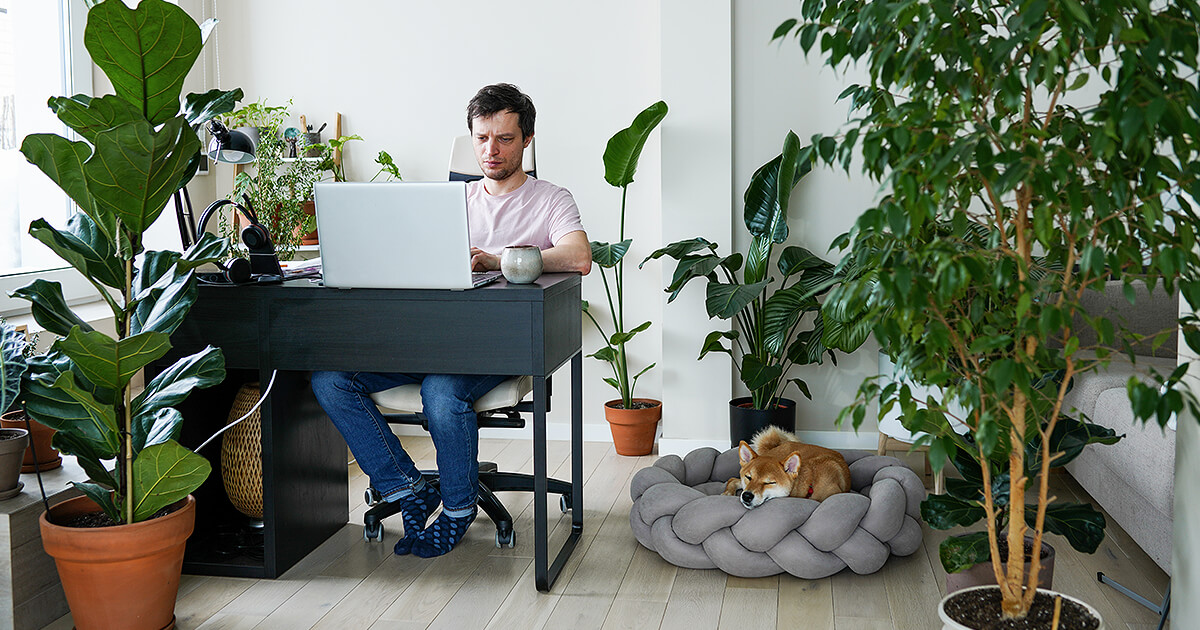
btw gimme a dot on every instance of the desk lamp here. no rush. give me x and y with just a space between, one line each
228 147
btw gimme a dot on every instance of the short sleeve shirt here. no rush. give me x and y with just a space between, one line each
538 213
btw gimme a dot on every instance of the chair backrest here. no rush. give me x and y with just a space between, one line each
465 168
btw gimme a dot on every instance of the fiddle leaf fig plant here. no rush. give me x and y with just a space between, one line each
1069 134
620 163
137 149
12 365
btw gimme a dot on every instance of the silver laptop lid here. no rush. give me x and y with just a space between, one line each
394 235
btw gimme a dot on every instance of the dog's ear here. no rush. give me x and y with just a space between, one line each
791 465
745 453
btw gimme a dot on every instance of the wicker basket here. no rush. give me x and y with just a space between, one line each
241 454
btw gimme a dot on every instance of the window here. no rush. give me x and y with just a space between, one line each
41 55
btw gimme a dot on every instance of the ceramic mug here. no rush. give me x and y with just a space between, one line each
521 264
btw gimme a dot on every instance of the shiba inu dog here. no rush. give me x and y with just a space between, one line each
779 465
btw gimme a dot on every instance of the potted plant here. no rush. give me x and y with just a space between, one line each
633 421
12 440
771 333
277 190
257 119
41 454
972 118
124 571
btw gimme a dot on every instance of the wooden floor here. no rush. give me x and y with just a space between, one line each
610 580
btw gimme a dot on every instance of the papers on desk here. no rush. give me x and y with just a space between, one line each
293 269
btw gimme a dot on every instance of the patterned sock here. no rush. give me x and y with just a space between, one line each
415 510
441 536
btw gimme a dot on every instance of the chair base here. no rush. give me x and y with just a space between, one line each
491 481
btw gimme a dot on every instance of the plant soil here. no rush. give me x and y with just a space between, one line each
980 609
637 404
100 519
10 436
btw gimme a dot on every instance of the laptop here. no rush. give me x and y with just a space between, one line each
395 235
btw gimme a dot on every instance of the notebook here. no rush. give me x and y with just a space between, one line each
395 235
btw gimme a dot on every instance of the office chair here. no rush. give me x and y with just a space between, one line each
500 407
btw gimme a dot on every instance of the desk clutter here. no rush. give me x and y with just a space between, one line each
678 512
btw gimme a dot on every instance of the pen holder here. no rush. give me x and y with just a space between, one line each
521 264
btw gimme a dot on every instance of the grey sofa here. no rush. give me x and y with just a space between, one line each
1132 480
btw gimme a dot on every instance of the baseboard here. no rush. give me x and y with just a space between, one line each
832 439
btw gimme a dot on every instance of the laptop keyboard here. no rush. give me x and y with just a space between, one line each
480 278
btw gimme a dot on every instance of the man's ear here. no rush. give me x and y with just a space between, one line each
528 139
745 453
791 465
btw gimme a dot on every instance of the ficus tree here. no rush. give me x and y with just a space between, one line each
1066 137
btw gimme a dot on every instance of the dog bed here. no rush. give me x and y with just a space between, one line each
678 512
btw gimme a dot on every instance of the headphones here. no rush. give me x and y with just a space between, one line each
263 265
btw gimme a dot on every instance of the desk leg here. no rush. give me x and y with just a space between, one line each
546 573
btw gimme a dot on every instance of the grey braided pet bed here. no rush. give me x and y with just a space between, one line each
678 512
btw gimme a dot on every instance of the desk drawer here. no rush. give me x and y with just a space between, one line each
406 336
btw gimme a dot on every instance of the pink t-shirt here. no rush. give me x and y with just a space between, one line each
538 213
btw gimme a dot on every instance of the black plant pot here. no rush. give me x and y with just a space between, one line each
745 421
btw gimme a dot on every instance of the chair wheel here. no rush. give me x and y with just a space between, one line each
373 532
564 503
371 496
506 539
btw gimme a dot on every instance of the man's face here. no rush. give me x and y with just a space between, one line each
499 145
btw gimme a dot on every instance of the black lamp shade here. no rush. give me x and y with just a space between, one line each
229 146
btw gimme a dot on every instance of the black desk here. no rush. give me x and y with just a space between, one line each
299 327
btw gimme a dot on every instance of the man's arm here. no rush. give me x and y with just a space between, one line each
572 252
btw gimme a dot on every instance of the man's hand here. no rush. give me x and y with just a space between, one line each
483 261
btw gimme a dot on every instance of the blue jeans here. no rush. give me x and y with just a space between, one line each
447 401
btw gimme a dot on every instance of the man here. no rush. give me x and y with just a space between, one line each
506 207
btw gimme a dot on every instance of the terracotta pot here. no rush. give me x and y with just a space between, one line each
124 577
12 450
745 421
40 437
982 575
633 429
950 624
310 209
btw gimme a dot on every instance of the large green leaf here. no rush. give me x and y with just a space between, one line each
145 52
625 147
59 401
63 162
203 369
49 307
963 552
209 249
770 189
201 108
679 249
102 496
757 374
713 342
164 306
609 254
85 247
163 474
809 345
843 335
89 454
111 363
1079 523
621 338
942 511
135 169
89 116
725 300
796 259
12 364
781 312
1068 440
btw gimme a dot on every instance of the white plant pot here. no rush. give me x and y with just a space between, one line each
950 624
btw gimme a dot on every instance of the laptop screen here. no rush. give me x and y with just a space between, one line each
394 235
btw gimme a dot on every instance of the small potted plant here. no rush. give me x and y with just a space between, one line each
258 120
12 440
41 454
771 333
633 421
119 547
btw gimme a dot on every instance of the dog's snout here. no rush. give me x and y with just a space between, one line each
747 498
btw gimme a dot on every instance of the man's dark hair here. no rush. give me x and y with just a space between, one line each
502 97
